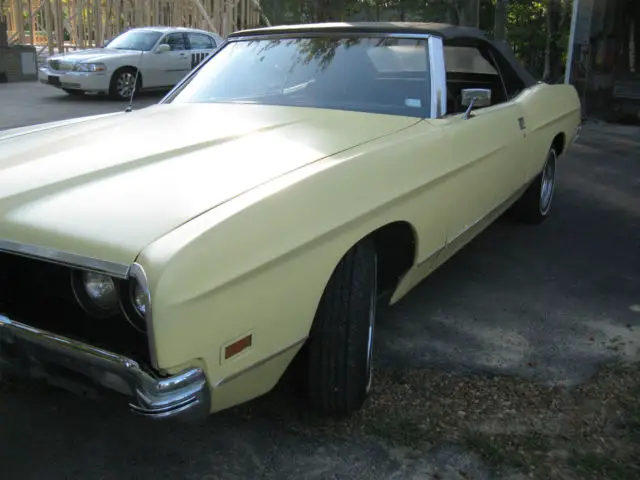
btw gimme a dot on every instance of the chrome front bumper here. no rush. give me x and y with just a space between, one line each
185 395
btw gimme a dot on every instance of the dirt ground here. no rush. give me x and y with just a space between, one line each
517 359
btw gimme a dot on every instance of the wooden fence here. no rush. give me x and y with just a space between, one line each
63 24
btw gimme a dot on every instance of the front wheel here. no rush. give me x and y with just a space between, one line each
122 84
340 348
535 204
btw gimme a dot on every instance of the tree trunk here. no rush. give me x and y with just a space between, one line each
636 34
323 10
551 54
468 12
4 34
500 20
452 15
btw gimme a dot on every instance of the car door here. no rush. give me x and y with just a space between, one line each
165 69
485 150
200 46
484 167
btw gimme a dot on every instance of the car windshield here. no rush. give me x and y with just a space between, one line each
369 74
143 40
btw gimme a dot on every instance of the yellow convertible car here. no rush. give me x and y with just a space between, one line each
184 254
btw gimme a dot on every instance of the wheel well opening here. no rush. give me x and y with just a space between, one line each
396 246
558 143
129 67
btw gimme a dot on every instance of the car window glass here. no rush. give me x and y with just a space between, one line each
512 81
200 41
176 41
467 67
467 60
370 74
135 40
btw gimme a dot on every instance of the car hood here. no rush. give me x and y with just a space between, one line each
109 185
93 55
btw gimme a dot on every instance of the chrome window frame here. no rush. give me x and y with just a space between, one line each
438 77
434 46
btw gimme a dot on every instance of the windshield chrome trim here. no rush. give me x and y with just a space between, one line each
67 259
305 34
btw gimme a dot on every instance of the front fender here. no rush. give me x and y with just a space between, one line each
259 264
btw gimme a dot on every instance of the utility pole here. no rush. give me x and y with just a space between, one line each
572 40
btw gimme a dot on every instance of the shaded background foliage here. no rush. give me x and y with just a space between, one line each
537 30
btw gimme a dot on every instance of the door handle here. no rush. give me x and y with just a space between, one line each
521 123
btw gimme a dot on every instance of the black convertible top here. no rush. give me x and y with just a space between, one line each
450 34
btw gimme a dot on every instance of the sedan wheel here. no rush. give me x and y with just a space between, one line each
122 84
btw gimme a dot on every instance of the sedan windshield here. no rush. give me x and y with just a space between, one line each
369 74
143 40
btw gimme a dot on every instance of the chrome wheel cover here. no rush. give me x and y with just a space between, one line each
125 83
372 320
547 183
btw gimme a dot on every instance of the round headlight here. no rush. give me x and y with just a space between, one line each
101 290
140 299
97 294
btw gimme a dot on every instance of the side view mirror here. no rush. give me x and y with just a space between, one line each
106 42
474 98
163 48
481 97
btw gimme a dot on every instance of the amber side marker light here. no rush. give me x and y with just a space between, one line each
238 346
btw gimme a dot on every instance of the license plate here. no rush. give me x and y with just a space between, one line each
53 80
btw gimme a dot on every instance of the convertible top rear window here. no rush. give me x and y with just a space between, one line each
467 60
368 74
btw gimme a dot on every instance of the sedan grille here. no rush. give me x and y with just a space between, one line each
60 65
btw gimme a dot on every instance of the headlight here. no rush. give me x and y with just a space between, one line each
96 293
89 67
101 290
135 302
139 299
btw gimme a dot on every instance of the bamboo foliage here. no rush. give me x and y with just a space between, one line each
60 25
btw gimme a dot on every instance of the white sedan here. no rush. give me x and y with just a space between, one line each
162 56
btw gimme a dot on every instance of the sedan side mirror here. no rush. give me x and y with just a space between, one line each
163 48
474 98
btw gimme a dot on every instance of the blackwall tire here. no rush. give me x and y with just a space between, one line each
340 347
536 203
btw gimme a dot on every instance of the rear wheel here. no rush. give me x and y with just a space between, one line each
535 204
340 347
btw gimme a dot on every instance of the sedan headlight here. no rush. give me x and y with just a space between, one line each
96 293
89 67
